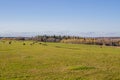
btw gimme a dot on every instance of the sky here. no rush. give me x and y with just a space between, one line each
60 15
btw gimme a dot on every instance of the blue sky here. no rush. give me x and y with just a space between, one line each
60 15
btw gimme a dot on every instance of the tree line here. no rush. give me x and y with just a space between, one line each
108 41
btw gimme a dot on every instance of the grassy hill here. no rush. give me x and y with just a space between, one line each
58 61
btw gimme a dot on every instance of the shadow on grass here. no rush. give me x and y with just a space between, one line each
81 68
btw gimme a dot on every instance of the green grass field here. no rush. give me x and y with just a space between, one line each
58 61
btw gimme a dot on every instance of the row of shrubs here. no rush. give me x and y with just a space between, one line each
93 41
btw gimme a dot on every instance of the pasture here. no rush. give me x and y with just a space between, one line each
58 61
